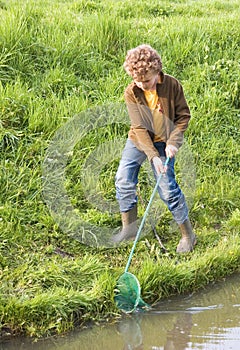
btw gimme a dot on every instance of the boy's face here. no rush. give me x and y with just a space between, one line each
147 81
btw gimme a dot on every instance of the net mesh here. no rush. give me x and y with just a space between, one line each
128 293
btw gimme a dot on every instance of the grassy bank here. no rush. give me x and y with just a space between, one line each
61 58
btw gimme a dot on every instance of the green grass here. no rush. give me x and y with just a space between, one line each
55 66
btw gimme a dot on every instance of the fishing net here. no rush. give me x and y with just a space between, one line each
128 294
128 290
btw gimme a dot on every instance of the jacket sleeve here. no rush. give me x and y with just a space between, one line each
141 131
181 118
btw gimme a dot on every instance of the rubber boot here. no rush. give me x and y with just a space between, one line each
188 239
129 226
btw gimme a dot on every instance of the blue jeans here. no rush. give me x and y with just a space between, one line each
127 178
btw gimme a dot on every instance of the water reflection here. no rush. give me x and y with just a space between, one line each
179 336
176 338
206 320
138 333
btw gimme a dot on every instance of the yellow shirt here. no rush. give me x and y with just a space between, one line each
152 98
158 118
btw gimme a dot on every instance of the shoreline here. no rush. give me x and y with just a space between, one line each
160 277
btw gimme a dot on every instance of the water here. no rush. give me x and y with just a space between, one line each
209 319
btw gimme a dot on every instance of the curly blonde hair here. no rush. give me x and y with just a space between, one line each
141 60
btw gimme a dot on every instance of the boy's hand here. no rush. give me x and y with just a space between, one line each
171 151
159 166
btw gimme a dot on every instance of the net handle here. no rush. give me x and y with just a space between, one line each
144 217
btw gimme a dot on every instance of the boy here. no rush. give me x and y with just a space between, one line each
159 116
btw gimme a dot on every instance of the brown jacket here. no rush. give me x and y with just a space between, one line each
175 112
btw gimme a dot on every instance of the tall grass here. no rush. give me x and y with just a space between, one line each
59 58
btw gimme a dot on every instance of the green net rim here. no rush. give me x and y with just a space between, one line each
138 292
